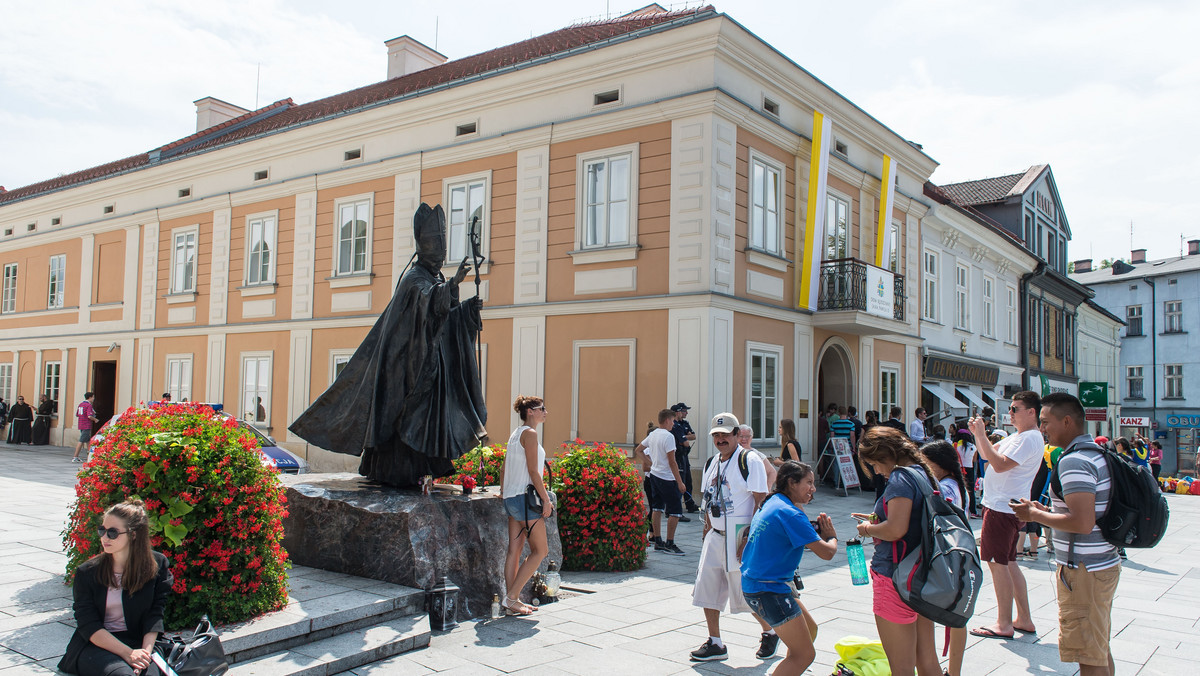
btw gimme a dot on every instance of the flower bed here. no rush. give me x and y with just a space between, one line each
215 510
468 465
601 519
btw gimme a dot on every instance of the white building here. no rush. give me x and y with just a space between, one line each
1100 359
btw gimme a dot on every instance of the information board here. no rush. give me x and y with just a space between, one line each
845 462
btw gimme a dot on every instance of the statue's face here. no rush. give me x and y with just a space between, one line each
432 259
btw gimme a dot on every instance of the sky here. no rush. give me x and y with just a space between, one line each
1105 92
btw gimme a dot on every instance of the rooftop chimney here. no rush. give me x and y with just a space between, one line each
212 111
1137 256
406 55
1193 244
1084 265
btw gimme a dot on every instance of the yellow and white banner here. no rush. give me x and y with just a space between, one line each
814 230
887 200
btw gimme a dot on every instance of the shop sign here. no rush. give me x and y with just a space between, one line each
1177 421
957 371
1093 394
1135 421
881 288
1095 414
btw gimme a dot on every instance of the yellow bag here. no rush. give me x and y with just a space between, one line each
863 656
1183 487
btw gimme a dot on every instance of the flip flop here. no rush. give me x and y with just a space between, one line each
984 632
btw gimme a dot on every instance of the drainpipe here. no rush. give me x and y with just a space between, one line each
1153 353
1023 313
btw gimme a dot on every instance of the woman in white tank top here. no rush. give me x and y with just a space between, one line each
523 462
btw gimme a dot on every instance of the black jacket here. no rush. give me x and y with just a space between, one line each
143 609
896 425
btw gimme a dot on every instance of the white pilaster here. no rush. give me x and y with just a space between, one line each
125 370
82 375
805 386
911 377
87 257
700 364
218 286
528 359
39 383
703 164
533 189
129 308
145 370
149 295
407 200
214 373
865 391
299 358
303 255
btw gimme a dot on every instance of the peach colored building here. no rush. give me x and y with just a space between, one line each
644 188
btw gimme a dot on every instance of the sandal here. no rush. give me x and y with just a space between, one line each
515 607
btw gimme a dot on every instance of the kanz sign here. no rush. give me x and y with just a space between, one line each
1135 421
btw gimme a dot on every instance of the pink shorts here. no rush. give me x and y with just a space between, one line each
886 602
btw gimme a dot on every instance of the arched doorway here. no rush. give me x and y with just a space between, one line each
835 383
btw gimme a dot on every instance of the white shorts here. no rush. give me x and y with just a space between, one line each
715 587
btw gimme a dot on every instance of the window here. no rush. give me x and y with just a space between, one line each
1174 375
766 205
1045 338
1012 314
1133 320
51 379
466 129
354 223
1035 335
256 388
179 377
8 302
893 258
770 107
930 301
962 304
58 275
337 364
989 307
764 391
604 98
1173 309
6 377
261 175
607 207
183 262
837 228
467 199
260 250
889 388
1133 382
1069 337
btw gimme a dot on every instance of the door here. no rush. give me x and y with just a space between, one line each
104 384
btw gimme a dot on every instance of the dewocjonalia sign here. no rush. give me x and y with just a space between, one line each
880 292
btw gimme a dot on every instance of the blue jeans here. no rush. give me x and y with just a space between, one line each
775 609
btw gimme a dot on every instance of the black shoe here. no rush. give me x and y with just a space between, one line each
692 509
768 646
670 548
660 546
709 652
684 519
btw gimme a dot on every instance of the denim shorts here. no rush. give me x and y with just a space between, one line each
775 609
515 506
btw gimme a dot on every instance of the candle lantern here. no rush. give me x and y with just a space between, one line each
443 605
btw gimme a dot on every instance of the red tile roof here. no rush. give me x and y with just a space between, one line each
982 191
283 115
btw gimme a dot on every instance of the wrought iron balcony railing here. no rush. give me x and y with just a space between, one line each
843 286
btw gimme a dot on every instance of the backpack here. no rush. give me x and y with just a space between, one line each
940 579
743 463
1137 510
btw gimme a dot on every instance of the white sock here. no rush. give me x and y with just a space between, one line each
770 632
716 640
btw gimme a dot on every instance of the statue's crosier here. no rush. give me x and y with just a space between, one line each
410 400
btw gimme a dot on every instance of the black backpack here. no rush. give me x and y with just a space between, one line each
940 579
743 464
1137 512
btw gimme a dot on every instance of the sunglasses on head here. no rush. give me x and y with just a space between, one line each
110 533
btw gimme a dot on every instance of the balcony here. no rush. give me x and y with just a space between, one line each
852 296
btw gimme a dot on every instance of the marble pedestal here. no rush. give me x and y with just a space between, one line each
344 523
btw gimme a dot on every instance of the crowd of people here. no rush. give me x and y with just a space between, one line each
26 424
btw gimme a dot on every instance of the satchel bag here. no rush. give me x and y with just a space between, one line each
200 655
533 501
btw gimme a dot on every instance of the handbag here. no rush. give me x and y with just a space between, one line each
533 501
200 655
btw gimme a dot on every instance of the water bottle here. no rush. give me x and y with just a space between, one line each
858 562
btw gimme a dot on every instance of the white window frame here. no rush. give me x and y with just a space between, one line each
1135 373
186 285
180 388
458 243
962 296
1173 381
245 391
893 254
1013 324
582 162
363 205
52 380
56 296
268 221
1173 316
888 371
833 199
989 306
1134 312
8 304
337 357
929 286
761 432
6 380
765 228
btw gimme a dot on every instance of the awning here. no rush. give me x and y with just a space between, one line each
996 395
971 396
945 396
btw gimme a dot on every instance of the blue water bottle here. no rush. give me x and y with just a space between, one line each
858 562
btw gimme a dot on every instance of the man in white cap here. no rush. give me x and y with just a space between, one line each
733 489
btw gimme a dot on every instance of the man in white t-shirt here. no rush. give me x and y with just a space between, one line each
1012 465
730 500
657 452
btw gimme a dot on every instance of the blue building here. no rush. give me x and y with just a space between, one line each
1160 348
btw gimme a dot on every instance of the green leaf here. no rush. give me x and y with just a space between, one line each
150 469
175 533
178 508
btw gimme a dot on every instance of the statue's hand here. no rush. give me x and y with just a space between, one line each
463 269
475 304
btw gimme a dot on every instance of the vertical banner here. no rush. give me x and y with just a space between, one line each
814 230
887 198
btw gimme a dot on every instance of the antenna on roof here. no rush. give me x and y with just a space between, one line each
436 21
257 84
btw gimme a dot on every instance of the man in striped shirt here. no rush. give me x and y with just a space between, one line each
1088 566
843 426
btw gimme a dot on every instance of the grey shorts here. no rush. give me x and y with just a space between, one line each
85 436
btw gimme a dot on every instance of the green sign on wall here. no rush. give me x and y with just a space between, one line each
1093 395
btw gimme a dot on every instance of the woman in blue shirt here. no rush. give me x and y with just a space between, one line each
778 536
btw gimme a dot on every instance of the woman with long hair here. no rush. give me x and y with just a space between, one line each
789 446
943 461
778 536
906 636
120 598
523 464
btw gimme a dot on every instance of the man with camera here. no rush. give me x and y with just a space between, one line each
733 491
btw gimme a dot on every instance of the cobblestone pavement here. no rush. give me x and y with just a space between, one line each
640 622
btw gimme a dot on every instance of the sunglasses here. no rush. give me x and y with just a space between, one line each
110 533
537 408
1014 409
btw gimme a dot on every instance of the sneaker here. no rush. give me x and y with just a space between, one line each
768 646
692 509
710 652
660 546
672 549
684 519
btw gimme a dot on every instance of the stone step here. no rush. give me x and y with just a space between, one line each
342 652
333 610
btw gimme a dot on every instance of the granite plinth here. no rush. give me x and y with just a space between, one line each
345 523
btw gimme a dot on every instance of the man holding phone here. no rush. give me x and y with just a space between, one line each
1012 465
